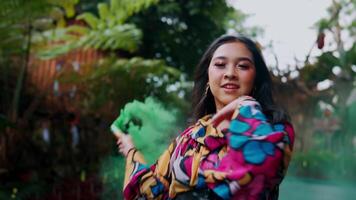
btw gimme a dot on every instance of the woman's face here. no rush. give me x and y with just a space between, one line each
231 73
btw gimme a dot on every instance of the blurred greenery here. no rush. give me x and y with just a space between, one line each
108 31
325 165
179 31
123 72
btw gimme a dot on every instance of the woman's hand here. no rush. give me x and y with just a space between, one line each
124 142
222 118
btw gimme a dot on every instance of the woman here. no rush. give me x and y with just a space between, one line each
241 144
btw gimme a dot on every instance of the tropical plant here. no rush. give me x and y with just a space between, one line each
108 31
337 64
20 20
117 81
179 31
335 67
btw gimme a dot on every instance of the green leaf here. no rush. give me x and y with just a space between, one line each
67 5
90 19
114 5
173 71
104 12
81 30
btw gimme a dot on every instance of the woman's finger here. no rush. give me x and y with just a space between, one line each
224 113
244 98
221 117
227 111
121 151
121 148
118 134
124 143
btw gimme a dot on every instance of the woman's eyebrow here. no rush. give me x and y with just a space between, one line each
238 59
245 59
219 58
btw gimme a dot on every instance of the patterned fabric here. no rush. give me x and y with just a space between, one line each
247 161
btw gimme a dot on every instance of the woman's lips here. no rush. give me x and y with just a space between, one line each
230 87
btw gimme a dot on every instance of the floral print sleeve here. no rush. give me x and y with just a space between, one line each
148 182
257 155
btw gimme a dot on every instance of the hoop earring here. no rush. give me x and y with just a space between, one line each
206 90
201 101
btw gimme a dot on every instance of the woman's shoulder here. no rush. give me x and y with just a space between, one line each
186 132
289 130
201 125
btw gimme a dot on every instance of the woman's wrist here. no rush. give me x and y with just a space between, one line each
131 149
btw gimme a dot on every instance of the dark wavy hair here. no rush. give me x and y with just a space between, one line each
262 85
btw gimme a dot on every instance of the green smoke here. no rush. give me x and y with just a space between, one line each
149 124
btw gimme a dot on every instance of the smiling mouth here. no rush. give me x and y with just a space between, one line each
230 86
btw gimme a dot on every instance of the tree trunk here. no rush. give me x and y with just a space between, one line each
21 77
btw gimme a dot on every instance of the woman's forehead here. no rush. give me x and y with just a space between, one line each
232 50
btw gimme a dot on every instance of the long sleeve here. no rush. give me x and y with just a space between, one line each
257 155
133 159
149 182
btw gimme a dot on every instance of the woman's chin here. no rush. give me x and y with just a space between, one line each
229 100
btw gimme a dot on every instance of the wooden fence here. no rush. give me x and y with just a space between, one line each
43 74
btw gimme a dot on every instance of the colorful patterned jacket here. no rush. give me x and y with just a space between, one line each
247 161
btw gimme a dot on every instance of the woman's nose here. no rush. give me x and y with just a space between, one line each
230 72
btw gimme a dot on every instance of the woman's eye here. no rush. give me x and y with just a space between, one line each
220 65
243 66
